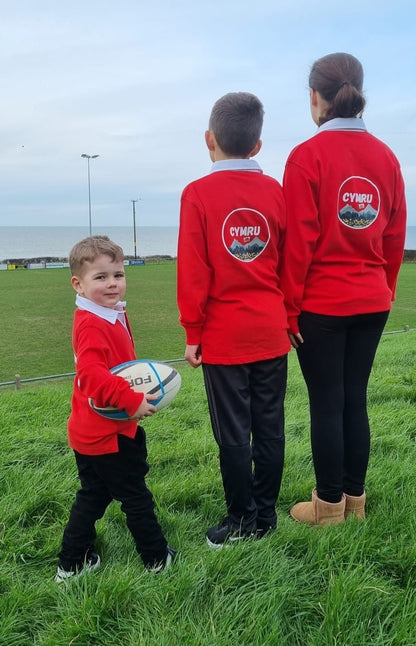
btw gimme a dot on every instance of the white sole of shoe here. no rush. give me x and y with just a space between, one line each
63 575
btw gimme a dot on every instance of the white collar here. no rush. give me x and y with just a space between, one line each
109 314
236 164
340 123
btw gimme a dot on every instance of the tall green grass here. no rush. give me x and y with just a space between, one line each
347 585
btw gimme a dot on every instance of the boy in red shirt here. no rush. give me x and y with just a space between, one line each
110 455
232 223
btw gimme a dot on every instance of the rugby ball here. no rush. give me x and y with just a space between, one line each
151 377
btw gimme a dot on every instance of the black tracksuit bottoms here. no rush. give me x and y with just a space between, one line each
246 404
113 476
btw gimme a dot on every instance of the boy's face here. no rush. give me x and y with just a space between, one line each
102 281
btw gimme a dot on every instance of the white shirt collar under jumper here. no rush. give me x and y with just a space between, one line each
340 123
236 164
109 314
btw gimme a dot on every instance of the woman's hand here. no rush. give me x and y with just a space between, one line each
296 340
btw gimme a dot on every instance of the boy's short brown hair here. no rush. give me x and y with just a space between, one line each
236 121
88 249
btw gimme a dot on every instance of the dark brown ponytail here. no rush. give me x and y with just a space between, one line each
339 80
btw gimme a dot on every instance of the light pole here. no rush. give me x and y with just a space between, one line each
134 228
88 157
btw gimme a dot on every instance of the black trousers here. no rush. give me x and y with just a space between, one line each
119 476
247 417
336 359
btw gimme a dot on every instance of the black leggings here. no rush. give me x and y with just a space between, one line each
336 359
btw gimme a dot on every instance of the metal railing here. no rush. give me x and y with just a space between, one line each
17 381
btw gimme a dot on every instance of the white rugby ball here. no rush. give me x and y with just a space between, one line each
150 377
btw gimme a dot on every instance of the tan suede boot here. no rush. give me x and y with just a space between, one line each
355 505
319 512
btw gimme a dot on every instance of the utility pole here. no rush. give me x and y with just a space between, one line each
88 157
134 228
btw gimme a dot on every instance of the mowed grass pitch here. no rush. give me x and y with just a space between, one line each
350 585
36 320
36 324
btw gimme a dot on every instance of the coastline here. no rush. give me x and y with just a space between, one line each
49 262
408 256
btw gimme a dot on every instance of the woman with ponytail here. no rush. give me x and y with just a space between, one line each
346 219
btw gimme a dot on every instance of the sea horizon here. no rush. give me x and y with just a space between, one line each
21 242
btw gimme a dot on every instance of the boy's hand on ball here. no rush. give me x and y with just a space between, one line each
144 377
145 409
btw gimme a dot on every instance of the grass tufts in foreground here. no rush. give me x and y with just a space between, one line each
348 585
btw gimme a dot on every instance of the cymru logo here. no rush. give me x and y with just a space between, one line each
245 234
358 202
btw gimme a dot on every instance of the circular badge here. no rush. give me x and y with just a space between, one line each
358 202
245 234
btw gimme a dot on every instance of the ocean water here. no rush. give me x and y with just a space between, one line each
410 238
35 242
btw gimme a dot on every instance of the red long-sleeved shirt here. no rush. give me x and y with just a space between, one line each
232 225
99 346
346 223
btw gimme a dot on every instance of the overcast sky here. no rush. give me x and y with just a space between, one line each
134 81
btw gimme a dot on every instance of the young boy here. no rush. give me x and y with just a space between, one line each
110 455
232 223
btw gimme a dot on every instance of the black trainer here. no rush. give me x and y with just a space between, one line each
92 562
264 529
226 534
165 564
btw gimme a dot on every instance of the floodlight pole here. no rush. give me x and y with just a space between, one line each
134 228
88 157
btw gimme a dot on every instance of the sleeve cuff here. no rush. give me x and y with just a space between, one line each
193 336
293 324
134 402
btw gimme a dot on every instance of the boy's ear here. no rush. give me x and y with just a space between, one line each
210 140
256 148
75 282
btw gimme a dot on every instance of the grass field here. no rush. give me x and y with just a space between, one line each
347 585
35 337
